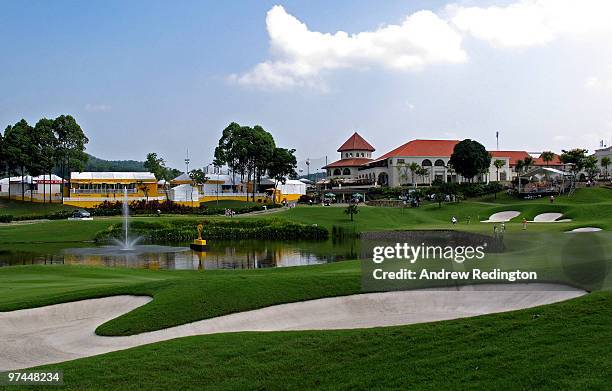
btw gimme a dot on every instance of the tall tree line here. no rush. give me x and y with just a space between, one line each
252 153
37 150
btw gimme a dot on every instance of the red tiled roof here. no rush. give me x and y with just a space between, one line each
354 162
514 156
556 161
421 148
356 143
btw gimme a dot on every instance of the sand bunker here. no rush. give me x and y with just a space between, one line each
585 229
550 218
502 217
64 332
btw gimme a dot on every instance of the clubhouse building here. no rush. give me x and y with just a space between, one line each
357 167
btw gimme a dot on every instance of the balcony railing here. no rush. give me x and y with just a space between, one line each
102 191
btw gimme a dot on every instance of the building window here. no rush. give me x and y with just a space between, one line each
426 163
337 171
439 163
346 171
400 161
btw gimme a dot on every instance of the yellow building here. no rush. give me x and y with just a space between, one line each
88 189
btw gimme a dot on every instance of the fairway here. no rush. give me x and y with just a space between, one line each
181 297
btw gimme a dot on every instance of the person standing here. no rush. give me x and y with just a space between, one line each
524 224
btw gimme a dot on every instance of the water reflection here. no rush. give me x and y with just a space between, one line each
220 255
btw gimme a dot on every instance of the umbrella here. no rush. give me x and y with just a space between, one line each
357 195
330 195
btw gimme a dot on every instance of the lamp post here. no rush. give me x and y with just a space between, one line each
308 168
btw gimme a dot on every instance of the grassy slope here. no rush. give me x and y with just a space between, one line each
566 346
587 207
561 346
213 293
26 208
182 296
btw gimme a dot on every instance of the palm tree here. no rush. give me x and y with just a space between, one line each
547 157
520 165
605 162
422 172
414 168
527 162
498 163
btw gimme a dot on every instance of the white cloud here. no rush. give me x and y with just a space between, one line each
533 22
595 83
301 55
97 107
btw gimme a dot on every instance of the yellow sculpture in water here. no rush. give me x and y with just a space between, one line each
199 244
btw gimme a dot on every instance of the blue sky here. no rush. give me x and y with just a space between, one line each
161 76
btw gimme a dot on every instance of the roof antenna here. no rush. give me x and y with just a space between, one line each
187 161
497 138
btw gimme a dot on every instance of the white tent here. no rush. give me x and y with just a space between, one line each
292 186
184 193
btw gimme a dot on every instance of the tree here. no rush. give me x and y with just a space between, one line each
469 158
351 210
71 140
3 165
414 168
605 162
46 144
439 198
157 166
422 172
19 149
547 157
247 151
142 186
261 152
281 166
575 158
527 163
198 178
498 163
590 166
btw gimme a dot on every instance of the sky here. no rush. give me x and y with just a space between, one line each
167 77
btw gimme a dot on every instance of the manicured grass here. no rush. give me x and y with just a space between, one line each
34 210
54 231
229 204
181 296
561 346
565 345
587 206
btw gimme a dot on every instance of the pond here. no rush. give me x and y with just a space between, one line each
247 254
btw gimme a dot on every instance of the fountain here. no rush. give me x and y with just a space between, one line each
127 249
127 244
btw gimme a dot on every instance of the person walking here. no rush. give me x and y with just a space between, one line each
524 224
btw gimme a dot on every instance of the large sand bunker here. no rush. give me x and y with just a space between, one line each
64 332
550 218
585 229
502 217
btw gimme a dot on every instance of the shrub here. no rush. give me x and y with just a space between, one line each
168 207
181 231
6 218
